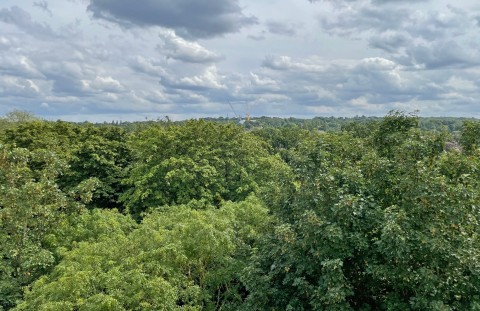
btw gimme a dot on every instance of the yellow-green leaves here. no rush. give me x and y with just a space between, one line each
176 259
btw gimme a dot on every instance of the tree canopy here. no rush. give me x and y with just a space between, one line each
372 214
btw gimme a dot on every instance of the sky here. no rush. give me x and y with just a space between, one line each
129 60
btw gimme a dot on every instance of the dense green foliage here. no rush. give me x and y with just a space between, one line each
277 214
368 232
199 161
89 152
176 259
31 206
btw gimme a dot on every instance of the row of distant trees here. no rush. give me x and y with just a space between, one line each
201 215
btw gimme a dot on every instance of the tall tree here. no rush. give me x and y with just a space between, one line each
90 151
374 230
176 259
199 161
31 207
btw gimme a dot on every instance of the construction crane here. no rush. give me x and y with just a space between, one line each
247 115
234 112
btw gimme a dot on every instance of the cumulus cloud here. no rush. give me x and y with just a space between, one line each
259 84
338 57
287 63
103 84
256 80
66 76
390 41
443 54
177 48
189 18
209 79
13 86
147 66
20 66
416 37
334 83
368 86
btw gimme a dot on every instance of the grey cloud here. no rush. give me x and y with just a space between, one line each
379 79
189 18
371 86
365 17
66 86
20 66
376 76
23 20
342 2
433 26
444 54
347 22
424 39
281 28
66 77
147 66
43 5
397 1
390 41
276 63
259 37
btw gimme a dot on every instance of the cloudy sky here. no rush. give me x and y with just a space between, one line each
104 60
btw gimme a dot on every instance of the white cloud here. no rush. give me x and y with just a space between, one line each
461 84
209 79
256 80
177 48
13 87
19 65
5 42
104 84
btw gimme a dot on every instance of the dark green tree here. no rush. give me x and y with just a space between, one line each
90 151
470 135
393 130
31 207
373 230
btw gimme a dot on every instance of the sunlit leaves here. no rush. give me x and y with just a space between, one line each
176 259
